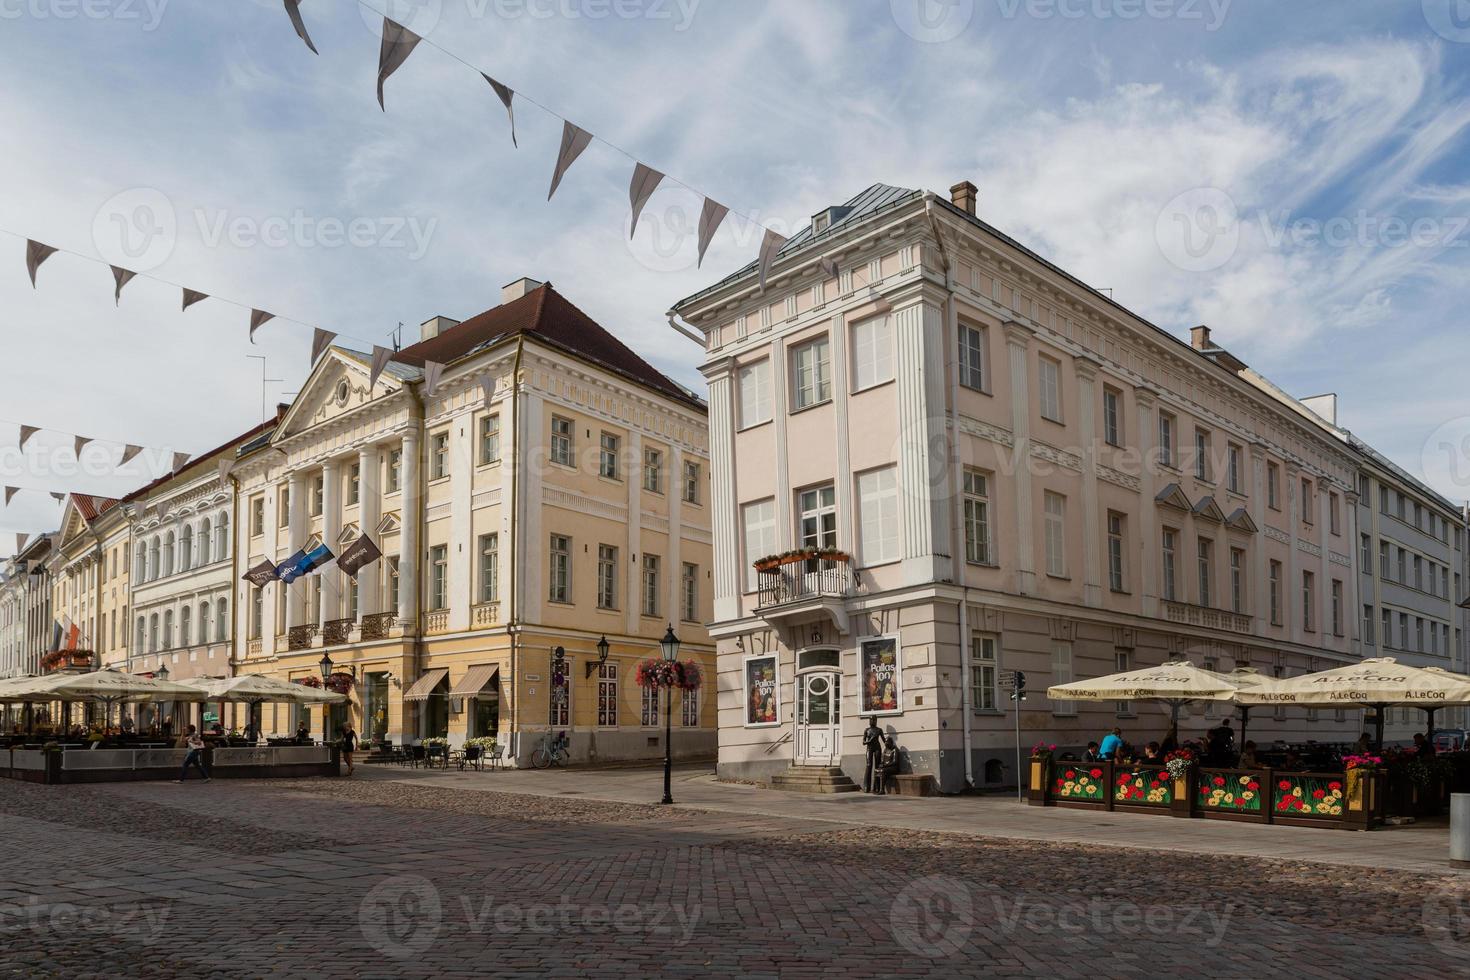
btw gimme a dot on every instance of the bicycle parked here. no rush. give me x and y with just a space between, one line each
553 751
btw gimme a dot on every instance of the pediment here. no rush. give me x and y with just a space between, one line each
349 534
1207 509
390 523
1173 496
72 524
1241 521
337 385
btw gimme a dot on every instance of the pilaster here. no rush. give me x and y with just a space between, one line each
1018 341
1086 370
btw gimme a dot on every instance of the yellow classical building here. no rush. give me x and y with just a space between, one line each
547 491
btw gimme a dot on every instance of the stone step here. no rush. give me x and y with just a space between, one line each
814 779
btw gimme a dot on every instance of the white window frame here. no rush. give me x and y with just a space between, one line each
759 536
878 520
1054 509
754 387
1049 388
973 342
872 352
975 485
811 383
559 568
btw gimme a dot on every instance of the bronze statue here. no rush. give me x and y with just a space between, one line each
873 746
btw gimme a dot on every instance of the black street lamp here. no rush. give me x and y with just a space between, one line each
326 668
592 665
162 674
669 646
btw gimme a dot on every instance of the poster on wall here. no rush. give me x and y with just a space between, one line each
881 677
762 691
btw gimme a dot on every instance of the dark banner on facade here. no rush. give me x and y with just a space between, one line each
261 575
359 553
762 691
881 677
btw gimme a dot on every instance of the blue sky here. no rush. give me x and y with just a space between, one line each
1326 142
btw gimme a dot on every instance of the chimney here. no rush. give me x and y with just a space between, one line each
962 196
1199 338
515 290
434 326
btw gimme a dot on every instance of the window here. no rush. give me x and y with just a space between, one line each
490 439
649 715
283 506
186 631
1368 624
607 577
354 484
1403 631
1403 578
186 548
222 620
1049 389
812 373
490 567
1169 570
1383 499
1201 454
395 470
1365 553
878 514
1334 519
1166 440
257 517
759 521
561 568
689 591
650 585
153 632
872 352
1061 673
1237 580
1232 469
1387 637
141 643
1273 486
1115 551
390 585
221 536
653 470
204 619
439 577
351 598
689 701
607 458
1055 507
1307 502
818 517
561 440
438 455
691 482
1122 661
972 357
1419 634
983 673
1385 565
257 612
607 695
755 393
1112 416
1206 549
1309 586
977 517
318 483
168 554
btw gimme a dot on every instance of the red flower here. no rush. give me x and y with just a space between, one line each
1219 780
1097 774
1317 794
1283 785
1060 780
1154 784
1334 785
1252 785
1071 774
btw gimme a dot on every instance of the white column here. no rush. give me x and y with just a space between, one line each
462 544
924 506
295 537
534 537
1147 583
369 512
409 558
1291 589
1260 585
1018 338
780 407
1324 573
1091 520
724 508
1352 616
331 531
674 584
633 545
847 515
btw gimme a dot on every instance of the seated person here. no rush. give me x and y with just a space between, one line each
1151 752
1091 755
1248 758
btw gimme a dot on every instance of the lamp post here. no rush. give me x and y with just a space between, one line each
326 668
162 674
669 647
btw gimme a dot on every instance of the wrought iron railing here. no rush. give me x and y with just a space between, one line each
300 637
804 578
337 631
376 626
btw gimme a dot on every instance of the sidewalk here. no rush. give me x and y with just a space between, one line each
1421 848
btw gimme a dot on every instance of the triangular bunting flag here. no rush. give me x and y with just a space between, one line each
487 383
192 296
79 443
258 319
58 497
121 277
129 452
179 460
506 95
398 44
26 431
381 357
770 245
36 253
829 267
293 10
320 341
10 492
574 140
709 219
645 182
432 371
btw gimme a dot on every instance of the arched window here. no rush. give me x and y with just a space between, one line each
140 570
168 629
204 551
153 633
185 634
152 559
221 621
203 622
186 548
222 536
142 644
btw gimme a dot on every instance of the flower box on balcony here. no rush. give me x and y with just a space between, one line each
772 562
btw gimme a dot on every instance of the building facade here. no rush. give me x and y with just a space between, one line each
89 585
549 492
996 469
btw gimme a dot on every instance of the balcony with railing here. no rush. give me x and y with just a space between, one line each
301 637
485 614
799 585
437 621
338 631
1210 618
378 626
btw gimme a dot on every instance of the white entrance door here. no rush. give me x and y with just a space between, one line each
818 741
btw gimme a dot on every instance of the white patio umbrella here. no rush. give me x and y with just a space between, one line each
107 687
254 689
1175 683
1378 683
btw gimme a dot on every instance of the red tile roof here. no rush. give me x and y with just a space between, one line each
91 507
550 317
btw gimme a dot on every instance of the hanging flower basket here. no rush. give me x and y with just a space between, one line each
340 683
773 562
309 681
659 673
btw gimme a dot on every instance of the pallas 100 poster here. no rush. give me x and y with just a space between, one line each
881 677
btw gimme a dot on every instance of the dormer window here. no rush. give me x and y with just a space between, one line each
821 222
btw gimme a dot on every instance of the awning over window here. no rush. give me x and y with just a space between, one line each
425 685
475 681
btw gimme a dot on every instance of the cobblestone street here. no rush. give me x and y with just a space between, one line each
377 877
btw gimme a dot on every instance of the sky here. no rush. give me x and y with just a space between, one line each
1296 176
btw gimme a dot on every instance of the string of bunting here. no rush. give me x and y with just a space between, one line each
398 42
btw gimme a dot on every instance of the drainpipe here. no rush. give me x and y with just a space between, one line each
957 532
235 528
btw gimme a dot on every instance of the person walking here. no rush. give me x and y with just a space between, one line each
194 742
348 744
